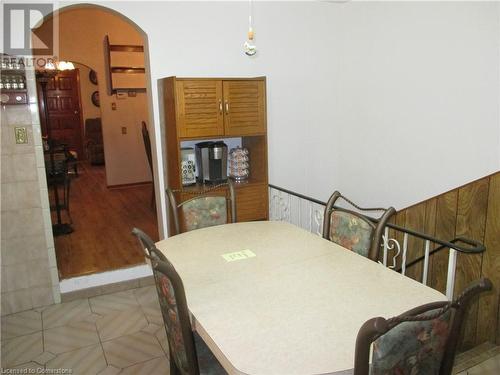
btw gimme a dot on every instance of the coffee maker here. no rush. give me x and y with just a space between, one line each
211 161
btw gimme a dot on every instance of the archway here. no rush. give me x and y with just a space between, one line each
122 113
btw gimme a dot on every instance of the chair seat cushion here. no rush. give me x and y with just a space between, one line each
206 360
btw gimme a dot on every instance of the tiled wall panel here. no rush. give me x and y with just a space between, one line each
27 247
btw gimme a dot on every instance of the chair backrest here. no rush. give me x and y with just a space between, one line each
352 229
147 146
420 341
205 209
93 130
174 308
146 243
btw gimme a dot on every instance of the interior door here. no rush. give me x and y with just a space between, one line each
64 110
199 108
244 107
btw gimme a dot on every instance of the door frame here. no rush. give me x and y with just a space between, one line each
41 110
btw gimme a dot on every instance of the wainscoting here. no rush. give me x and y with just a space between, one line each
471 211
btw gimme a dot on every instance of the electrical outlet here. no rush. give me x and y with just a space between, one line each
21 135
113 106
124 130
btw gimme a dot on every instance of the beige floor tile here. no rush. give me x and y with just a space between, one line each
157 366
153 313
70 337
44 358
111 326
488 367
65 313
151 328
21 349
21 323
112 303
132 349
35 367
84 361
161 335
146 295
110 370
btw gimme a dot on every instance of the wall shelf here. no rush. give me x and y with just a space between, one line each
125 65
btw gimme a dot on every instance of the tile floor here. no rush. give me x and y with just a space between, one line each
123 333
481 360
110 334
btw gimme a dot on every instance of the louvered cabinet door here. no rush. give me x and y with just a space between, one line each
244 107
199 108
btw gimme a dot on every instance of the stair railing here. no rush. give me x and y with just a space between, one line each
307 213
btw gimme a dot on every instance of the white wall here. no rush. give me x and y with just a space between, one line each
389 102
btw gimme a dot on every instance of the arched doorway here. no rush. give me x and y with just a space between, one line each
116 196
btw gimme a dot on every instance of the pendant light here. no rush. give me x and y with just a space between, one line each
249 46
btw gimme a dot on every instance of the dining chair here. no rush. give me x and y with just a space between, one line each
353 230
207 208
420 341
149 156
188 354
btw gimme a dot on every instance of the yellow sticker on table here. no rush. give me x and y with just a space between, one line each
238 255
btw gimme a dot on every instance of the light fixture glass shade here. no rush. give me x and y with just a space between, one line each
65 65
50 66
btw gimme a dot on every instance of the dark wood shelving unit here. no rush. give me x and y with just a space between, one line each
117 74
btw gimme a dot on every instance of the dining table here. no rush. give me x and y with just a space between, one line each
271 298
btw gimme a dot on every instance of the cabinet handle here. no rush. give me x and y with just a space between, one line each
227 107
220 107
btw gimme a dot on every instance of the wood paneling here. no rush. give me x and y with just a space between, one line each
446 217
488 303
471 211
415 219
471 220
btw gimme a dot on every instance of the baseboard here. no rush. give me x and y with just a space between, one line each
124 186
106 282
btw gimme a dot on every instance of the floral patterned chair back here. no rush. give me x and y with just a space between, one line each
420 341
205 209
352 229
173 304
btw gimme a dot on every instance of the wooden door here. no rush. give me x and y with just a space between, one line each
64 110
199 108
244 107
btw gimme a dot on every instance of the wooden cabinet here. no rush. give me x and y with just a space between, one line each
218 108
244 107
199 108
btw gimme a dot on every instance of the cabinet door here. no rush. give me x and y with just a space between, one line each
252 203
199 108
244 107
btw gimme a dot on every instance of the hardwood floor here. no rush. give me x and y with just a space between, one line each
102 220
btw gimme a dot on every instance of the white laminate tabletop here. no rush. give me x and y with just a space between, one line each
294 308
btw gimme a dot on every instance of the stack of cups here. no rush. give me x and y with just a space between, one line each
239 167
